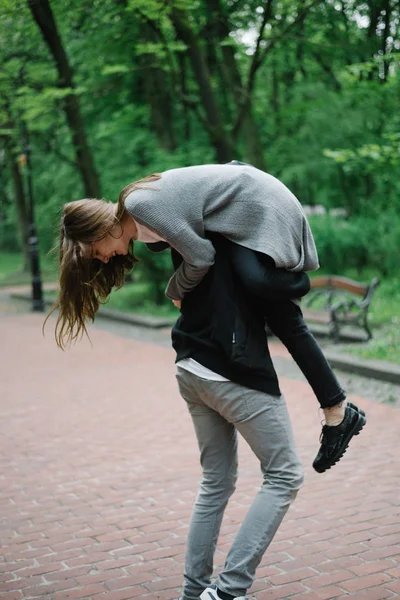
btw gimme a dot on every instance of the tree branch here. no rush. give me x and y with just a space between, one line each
328 70
256 62
278 37
49 145
261 56
186 101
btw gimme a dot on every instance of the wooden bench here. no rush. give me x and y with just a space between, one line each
341 301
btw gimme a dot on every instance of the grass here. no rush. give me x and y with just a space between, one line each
385 345
12 273
134 297
384 313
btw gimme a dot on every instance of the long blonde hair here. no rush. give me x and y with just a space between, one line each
87 283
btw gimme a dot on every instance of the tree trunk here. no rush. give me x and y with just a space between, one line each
161 109
275 99
372 35
326 67
210 34
158 96
153 86
43 15
20 203
300 48
385 35
249 128
224 147
183 88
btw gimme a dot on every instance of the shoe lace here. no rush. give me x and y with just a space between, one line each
322 437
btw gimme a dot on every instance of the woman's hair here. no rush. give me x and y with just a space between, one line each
86 283
136 185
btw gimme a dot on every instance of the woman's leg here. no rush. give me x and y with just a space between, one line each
285 320
342 421
274 288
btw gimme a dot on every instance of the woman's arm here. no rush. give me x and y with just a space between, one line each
187 276
261 278
187 238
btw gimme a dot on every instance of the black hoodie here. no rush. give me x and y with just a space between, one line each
222 325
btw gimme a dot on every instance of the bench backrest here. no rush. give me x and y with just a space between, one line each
335 282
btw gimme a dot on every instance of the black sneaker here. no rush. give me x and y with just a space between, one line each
335 439
355 407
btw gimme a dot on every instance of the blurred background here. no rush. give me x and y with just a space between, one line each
96 94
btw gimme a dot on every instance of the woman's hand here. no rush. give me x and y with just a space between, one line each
177 303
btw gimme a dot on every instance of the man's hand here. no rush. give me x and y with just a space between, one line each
177 303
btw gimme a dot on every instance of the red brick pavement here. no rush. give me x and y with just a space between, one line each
99 469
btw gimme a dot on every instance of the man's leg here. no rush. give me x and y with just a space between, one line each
217 441
263 421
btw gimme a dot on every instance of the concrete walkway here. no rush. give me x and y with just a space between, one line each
99 470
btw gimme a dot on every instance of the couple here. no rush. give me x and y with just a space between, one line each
240 245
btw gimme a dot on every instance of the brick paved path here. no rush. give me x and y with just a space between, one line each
99 469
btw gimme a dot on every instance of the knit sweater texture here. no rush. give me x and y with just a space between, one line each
246 205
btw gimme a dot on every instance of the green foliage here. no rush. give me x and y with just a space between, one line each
358 242
115 69
386 347
369 157
324 104
137 297
159 51
154 269
8 228
11 269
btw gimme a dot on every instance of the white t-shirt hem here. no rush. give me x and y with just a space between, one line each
191 365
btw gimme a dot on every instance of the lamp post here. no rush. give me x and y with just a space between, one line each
37 294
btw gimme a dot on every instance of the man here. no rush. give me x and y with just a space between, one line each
225 375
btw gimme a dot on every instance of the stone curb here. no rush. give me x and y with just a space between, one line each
369 367
116 315
375 369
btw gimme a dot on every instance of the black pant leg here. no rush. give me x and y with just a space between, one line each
285 320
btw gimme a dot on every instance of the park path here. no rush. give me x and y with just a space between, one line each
99 470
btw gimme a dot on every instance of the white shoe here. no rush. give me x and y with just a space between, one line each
211 593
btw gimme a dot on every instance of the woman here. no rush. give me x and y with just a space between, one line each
179 207
242 203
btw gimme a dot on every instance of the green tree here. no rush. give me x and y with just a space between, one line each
308 89
43 15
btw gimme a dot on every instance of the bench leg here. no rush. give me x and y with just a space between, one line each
334 329
367 328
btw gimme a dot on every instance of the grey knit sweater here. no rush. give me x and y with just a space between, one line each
244 204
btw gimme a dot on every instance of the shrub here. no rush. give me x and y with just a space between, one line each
358 243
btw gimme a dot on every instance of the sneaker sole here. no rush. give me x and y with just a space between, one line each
358 426
211 594
206 595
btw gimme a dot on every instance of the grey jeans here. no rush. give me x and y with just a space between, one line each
219 410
